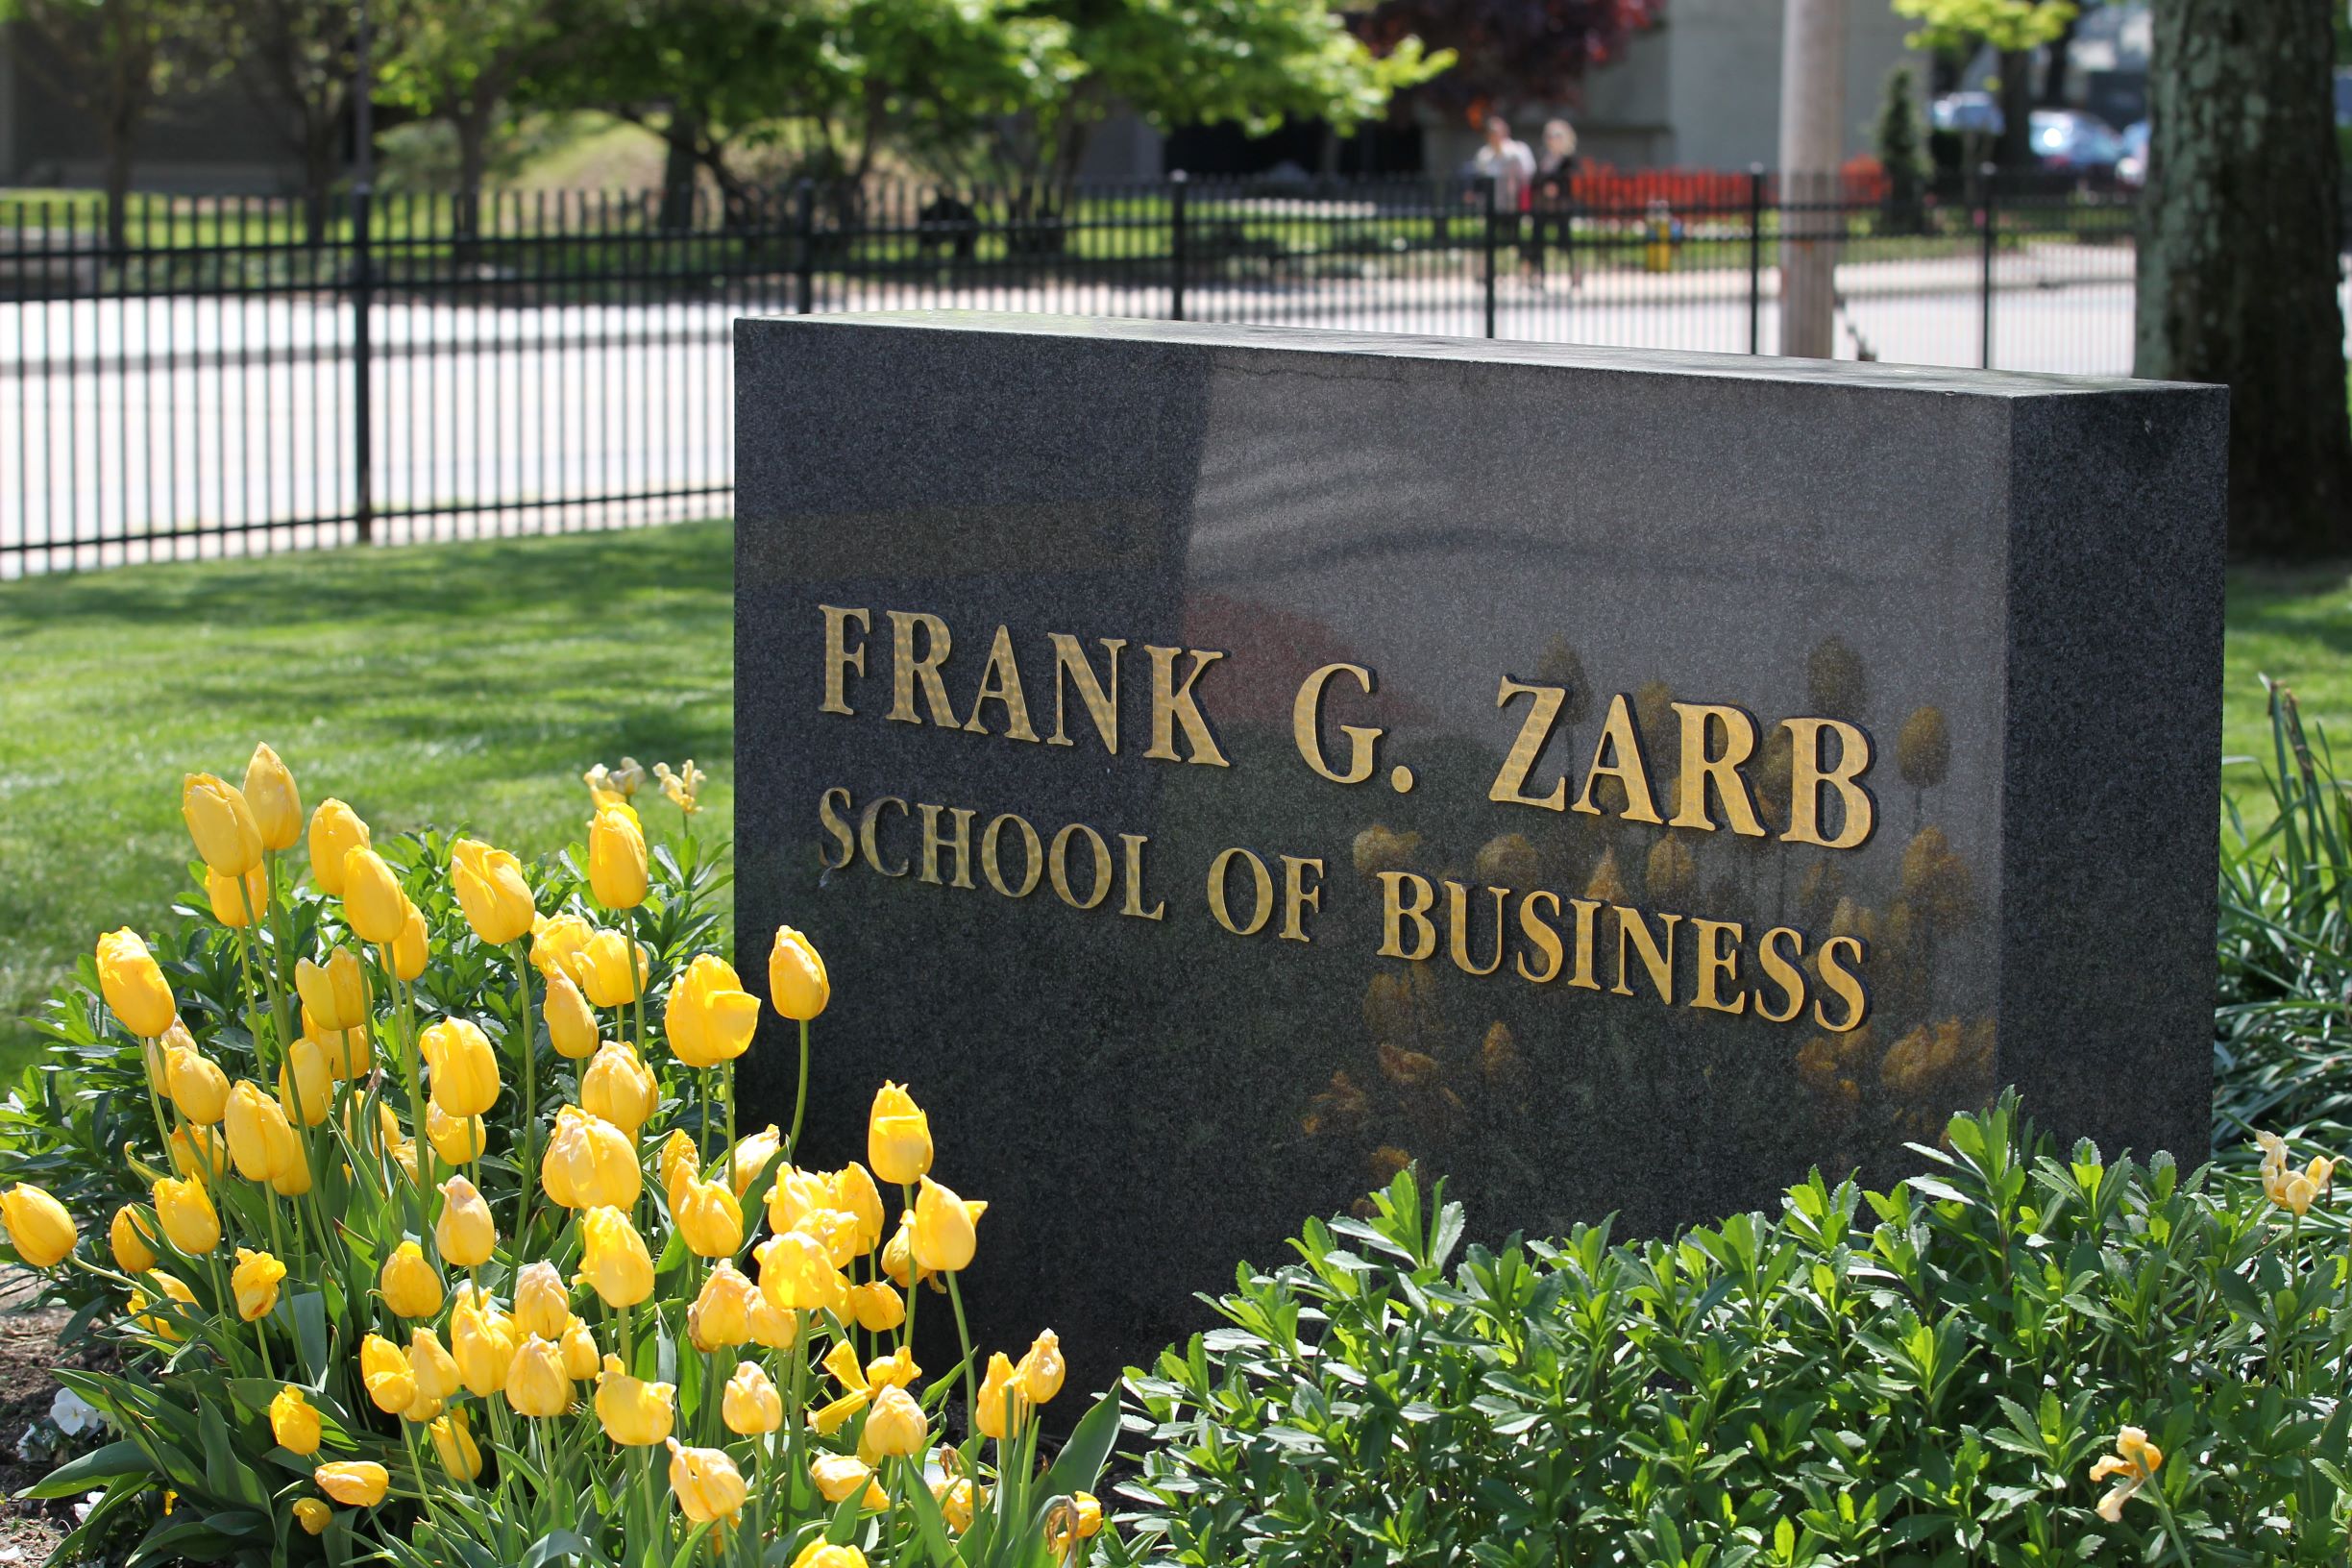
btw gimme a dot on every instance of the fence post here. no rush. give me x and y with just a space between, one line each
363 400
1985 282
804 260
1755 258
1489 183
1177 182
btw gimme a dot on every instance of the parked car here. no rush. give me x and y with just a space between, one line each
2131 169
2066 138
1966 113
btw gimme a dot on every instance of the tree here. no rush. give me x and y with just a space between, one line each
1900 154
2014 29
1508 52
115 60
462 61
2240 230
297 61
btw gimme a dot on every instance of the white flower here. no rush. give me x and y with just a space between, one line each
73 1415
81 1510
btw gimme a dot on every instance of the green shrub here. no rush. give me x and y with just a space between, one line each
1923 1376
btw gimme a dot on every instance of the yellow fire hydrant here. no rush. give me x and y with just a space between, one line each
1664 234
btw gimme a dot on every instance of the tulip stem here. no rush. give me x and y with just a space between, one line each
414 1076
262 1338
530 1098
914 1271
730 1109
800 1099
972 1397
416 1464
269 971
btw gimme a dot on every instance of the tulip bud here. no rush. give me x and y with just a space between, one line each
536 1384
709 1489
237 901
457 1140
132 1237
708 1218
796 981
454 1446
306 1085
1003 1408
619 1087
197 1088
161 1327
721 1312
274 800
634 1413
542 1303
385 1372
465 1233
555 940
412 947
943 1237
679 1161
897 1137
796 1273
313 1515
604 970
897 1261
1041 1372
334 997
197 1153
293 1423
491 891
616 859
355 1483
840 1476
373 905
751 1156
709 1017
434 1369
877 1308
854 1192
410 1285
750 1405
464 1068
255 1281
134 985
581 1359
336 830
222 823
895 1426
613 1258
251 1122
773 1327
956 1500
482 1340
185 1211
571 1028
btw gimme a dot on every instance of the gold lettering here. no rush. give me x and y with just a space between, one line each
1299 896
1782 972
1133 843
1588 918
1000 683
1714 964
829 817
1458 926
1395 911
1541 934
1658 960
1702 772
1510 784
1808 774
867 835
1307 726
933 844
1618 754
1101 705
1057 866
1263 886
1845 982
1033 849
1173 704
906 669
839 655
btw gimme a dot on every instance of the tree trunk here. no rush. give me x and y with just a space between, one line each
682 139
2239 269
318 179
2056 63
472 125
2016 145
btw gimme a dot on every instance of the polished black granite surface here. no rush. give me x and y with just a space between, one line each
2006 589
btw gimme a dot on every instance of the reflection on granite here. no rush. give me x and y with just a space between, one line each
2006 587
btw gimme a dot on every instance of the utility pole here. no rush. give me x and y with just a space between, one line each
1812 134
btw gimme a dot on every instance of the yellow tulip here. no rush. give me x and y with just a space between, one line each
466 1234
604 970
750 1405
412 947
482 1340
943 1237
274 800
253 1124
572 1027
554 938
373 905
616 859
2134 1464
1066 1522
385 1372
254 1282
541 1302
197 1086
234 909
679 1161
797 1274
306 1084
709 1489
796 1198
854 1192
464 1068
536 1384
897 1137
1003 1408
708 1218
796 981
175 1290
709 1017
291 1177
335 995
355 1483
132 1235
839 1476
495 899
1042 1369
634 1413
823 1554
185 1211
134 985
336 830
773 1327
897 1370
347 1051
613 1258
619 1087
721 1311
898 1261
38 1227
457 1140
956 1500
293 1423
590 1164
312 1515
751 1157
580 1350
222 823
197 1153
895 1426
410 1285
877 1308
454 1446
434 1369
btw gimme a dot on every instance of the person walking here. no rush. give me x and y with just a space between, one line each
1506 161
1554 201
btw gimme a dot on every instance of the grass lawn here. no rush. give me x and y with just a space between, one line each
470 683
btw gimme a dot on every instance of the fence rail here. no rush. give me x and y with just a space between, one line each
224 379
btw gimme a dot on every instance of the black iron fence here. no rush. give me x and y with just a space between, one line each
226 378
